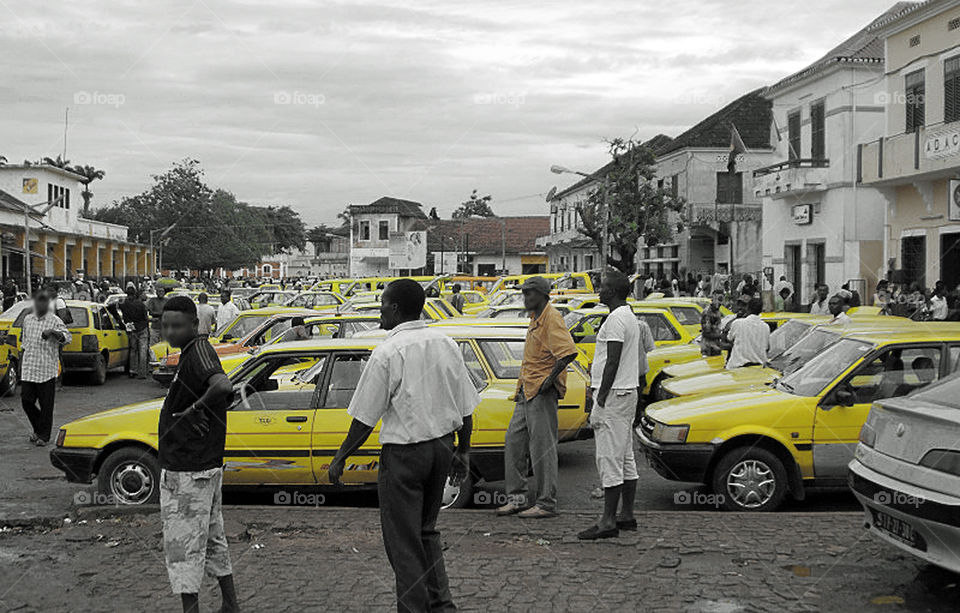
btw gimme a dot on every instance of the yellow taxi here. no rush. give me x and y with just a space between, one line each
289 418
686 311
316 300
584 324
433 309
754 447
474 300
269 297
336 286
98 344
565 282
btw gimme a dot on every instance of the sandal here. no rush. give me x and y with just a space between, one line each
594 532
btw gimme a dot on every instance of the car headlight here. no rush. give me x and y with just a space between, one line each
61 436
664 433
944 460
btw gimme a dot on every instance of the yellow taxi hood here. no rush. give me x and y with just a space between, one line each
718 412
119 413
695 367
670 353
720 381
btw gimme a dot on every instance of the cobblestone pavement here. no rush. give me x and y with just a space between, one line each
326 559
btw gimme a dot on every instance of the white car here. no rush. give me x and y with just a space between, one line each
906 472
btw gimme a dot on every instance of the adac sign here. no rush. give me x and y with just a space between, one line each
941 144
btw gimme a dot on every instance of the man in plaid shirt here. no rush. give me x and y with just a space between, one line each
43 334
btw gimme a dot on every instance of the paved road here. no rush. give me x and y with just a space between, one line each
30 486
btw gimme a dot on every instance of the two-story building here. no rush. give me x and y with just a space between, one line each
62 243
371 226
916 162
819 224
722 220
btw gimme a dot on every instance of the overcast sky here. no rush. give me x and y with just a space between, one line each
320 104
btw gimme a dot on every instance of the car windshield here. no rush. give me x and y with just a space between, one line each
504 357
245 325
823 369
785 336
688 316
571 319
803 350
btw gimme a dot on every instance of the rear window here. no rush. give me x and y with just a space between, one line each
659 326
81 317
504 357
945 392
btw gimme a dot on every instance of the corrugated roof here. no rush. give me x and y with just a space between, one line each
750 113
389 204
488 234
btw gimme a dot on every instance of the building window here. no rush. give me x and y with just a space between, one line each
951 89
675 185
729 188
913 87
384 230
817 129
364 230
793 135
588 262
56 191
563 220
913 259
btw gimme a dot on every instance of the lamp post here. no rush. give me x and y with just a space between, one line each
604 212
153 254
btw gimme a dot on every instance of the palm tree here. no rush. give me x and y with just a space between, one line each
59 162
3 160
89 174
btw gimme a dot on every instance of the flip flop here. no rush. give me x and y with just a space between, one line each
594 532
627 524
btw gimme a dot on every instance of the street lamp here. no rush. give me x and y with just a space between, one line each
163 233
604 208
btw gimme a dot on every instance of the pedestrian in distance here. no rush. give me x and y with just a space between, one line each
457 298
155 309
9 293
417 385
43 333
938 302
749 335
531 438
783 301
821 302
192 435
227 312
136 322
206 316
838 305
614 380
711 333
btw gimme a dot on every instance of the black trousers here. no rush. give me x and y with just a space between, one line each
41 418
410 485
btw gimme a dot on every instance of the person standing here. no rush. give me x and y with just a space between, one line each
9 293
136 321
228 311
711 333
43 335
155 308
417 385
206 316
938 302
750 336
192 435
820 304
457 298
614 378
531 438
782 302
838 306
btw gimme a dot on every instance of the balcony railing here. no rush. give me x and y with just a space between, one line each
707 214
929 152
795 163
804 175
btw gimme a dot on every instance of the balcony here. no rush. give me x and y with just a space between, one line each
791 178
928 153
699 214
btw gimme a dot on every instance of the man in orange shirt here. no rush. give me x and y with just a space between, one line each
531 438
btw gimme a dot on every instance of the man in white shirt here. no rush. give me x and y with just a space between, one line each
750 336
820 304
417 384
43 333
614 378
227 312
205 317
938 303
838 308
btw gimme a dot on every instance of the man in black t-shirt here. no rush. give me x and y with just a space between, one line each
192 429
136 321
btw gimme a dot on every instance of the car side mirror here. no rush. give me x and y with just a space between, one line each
845 397
226 338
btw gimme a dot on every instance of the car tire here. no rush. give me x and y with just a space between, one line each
99 375
750 479
458 498
130 476
8 386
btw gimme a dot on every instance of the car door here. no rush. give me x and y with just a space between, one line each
113 338
332 422
890 373
270 421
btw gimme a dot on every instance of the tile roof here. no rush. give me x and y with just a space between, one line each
487 234
864 47
389 204
750 113
655 143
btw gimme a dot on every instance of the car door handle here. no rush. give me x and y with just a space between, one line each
296 418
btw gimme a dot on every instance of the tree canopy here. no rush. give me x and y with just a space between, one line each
475 206
211 228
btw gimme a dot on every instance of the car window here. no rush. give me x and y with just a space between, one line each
804 350
687 316
243 326
586 330
278 384
477 374
894 373
954 358
344 376
824 368
440 305
106 322
786 335
660 327
349 328
472 298
504 357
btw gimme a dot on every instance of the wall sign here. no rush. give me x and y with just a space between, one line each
941 144
802 214
408 250
953 200
30 185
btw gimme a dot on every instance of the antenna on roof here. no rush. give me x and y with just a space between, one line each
66 117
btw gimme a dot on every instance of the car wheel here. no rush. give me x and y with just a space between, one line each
9 384
100 370
130 475
750 479
457 497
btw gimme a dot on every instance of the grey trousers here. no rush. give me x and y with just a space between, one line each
531 442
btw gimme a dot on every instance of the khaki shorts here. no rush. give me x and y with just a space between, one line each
613 435
193 536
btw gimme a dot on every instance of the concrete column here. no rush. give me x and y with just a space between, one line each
76 257
92 252
106 261
60 257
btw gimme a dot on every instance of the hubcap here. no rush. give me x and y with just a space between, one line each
751 484
450 494
131 483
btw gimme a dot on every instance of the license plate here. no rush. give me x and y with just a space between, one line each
897 529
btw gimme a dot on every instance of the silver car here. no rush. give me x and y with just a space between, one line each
906 472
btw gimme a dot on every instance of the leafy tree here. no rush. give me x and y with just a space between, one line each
89 174
58 162
475 206
3 160
637 207
319 237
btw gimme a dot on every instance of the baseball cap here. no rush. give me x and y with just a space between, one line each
538 284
